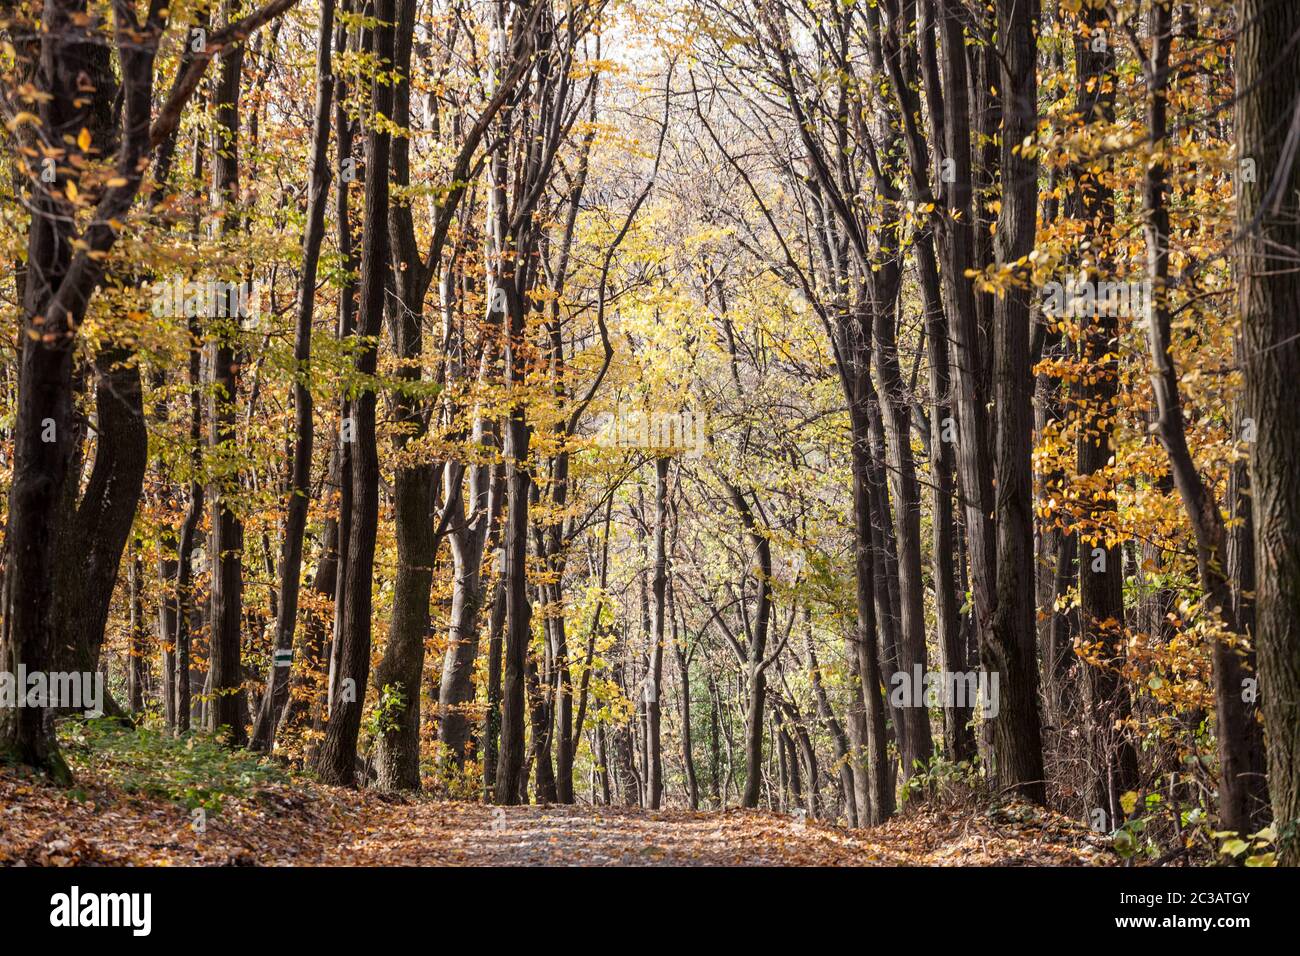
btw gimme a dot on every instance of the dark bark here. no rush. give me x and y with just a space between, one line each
295 523
399 673
55 302
94 537
1267 79
826 714
684 684
469 537
337 759
1010 648
959 248
346 171
186 544
225 710
1101 567
658 608
492 721
137 659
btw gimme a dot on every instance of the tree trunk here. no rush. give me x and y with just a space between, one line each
398 677
337 759
225 676
1011 648
295 523
658 607
1101 566
684 680
1268 75
1236 787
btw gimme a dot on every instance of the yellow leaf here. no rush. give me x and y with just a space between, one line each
83 139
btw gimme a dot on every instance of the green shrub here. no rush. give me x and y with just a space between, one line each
196 769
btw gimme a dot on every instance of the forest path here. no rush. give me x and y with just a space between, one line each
305 824
437 833
426 832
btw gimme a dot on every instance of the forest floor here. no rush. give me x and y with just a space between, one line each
103 821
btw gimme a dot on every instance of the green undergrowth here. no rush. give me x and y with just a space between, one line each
195 769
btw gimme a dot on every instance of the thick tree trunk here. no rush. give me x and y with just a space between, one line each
399 676
225 711
1010 650
94 537
1267 80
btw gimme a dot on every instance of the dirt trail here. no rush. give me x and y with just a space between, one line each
460 833
309 825
426 832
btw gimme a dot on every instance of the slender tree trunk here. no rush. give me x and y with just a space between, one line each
346 171
684 681
518 612
959 247
1232 715
492 721
1101 568
875 793
658 607
918 746
137 659
185 549
277 681
827 716
337 759
456 690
